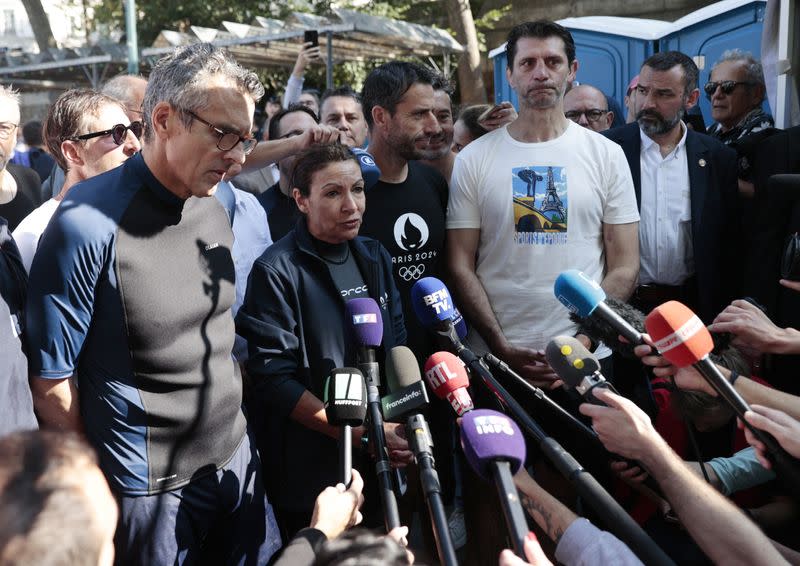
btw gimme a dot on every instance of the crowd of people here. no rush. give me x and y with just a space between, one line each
176 280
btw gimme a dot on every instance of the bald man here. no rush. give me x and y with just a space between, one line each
128 89
588 106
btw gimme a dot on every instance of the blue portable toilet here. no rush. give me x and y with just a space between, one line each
708 32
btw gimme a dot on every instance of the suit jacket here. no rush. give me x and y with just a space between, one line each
715 213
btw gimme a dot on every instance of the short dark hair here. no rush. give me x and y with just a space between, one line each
344 91
540 29
275 122
361 547
314 159
469 115
666 60
40 491
32 133
386 85
69 116
441 82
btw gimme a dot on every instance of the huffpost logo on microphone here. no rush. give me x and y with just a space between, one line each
347 389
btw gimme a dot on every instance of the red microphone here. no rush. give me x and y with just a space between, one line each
683 339
448 379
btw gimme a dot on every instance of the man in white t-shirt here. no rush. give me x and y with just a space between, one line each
531 200
87 133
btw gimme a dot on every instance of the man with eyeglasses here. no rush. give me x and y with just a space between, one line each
20 187
686 189
736 90
130 295
87 133
587 106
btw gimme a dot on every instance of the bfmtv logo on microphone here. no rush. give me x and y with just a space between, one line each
439 300
493 424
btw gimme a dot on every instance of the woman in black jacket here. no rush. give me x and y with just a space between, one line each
293 318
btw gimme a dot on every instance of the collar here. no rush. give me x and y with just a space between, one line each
140 168
306 244
648 142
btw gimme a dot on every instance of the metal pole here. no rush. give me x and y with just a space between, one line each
329 70
130 33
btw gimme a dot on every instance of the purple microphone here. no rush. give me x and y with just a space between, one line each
495 449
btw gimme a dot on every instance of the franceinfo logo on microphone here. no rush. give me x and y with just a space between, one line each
408 399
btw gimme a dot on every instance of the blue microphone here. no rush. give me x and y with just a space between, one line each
584 297
369 169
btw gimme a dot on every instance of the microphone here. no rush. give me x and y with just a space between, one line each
683 339
366 324
584 297
364 319
406 405
345 406
447 378
577 367
434 308
580 370
369 169
495 448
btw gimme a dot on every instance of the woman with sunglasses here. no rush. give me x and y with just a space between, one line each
87 133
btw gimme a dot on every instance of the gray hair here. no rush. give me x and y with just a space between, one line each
9 93
753 69
120 88
181 79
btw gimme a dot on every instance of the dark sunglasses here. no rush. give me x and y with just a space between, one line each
726 86
118 133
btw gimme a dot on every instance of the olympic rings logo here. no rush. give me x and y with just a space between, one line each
412 272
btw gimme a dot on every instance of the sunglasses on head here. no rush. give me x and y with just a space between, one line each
118 133
726 86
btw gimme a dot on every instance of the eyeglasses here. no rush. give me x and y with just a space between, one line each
226 141
6 129
592 115
726 86
118 133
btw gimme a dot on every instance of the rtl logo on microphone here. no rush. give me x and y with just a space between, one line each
439 300
493 424
439 374
366 318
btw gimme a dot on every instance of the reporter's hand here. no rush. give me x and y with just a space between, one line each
630 474
754 333
530 364
397 445
622 427
688 378
649 356
399 534
789 284
337 508
533 553
320 134
505 114
784 428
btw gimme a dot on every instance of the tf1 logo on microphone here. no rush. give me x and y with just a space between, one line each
439 300
439 374
493 424
366 318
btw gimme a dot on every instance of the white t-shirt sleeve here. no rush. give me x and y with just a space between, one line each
463 209
620 206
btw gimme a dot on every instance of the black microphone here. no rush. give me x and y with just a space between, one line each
366 325
577 367
405 405
346 406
